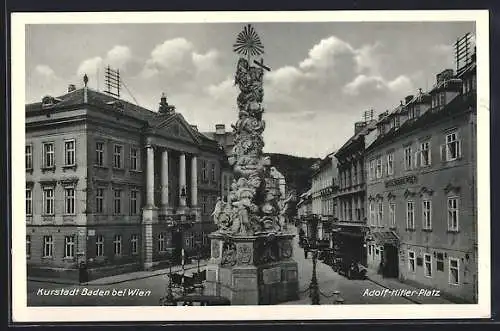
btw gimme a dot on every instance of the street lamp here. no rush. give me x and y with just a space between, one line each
313 286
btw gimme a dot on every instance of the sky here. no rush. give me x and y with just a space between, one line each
323 76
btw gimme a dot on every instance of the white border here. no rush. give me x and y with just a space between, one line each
22 313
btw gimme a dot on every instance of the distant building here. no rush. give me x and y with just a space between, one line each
114 187
421 165
304 211
225 139
324 185
350 224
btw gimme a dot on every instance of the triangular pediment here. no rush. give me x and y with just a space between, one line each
175 126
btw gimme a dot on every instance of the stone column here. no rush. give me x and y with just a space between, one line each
164 182
361 172
353 173
150 177
182 180
353 209
194 181
149 212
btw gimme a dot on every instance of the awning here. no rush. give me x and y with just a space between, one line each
383 237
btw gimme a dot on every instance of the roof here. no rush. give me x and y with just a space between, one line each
106 101
459 104
369 126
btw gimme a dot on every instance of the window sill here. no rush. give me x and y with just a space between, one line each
69 166
100 166
69 217
392 228
30 170
69 259
44 169
48 218
135 171
47 258
453 231
119 169
426 230
410 229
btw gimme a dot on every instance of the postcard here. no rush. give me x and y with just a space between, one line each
274 165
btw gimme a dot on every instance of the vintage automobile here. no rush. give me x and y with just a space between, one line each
348 267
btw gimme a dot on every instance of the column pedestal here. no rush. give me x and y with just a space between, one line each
148 215
252 270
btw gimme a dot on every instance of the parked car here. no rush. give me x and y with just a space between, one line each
349 268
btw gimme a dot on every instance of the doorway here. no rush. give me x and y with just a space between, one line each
391 261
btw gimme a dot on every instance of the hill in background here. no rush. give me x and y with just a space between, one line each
297 170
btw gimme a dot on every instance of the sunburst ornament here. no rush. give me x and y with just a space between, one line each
248 42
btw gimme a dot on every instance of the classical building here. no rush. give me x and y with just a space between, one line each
323 188
350 223
304 210
113 187
422 188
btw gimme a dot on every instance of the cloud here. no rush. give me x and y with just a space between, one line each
369 59
207 61
119 56
90 66
370 86
45 71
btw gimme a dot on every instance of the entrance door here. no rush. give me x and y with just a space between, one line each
391 262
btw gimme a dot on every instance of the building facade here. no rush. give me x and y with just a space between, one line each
112 187
422 188
350 223
323 188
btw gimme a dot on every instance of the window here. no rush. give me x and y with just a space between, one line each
452 147
379 167
411 261
410 215
370 249
69 200
454 271
48 201
134 205
29 202
133 244
69 246
204 204
29 157
48 155
48 246
117 243
408 158
440 262
372 169
28 246
204 176
117 157
380 215
212 173
392 214
99 154
372 214
428 265
99 198
134 159
99 245
427 214
425 154
117 201
453 214
161 242
69 152
390 164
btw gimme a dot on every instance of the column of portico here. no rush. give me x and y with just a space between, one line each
165 205
360 171
149 211
194 181
182 181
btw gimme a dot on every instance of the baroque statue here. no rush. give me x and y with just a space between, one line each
253 203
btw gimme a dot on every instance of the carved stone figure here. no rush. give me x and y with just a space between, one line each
253 199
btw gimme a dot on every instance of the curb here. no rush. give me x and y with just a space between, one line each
40 280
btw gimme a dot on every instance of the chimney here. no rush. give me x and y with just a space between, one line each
408 98
194 127
358 126
71 88
220 129
444 75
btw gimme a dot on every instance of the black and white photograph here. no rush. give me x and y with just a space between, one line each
319 164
